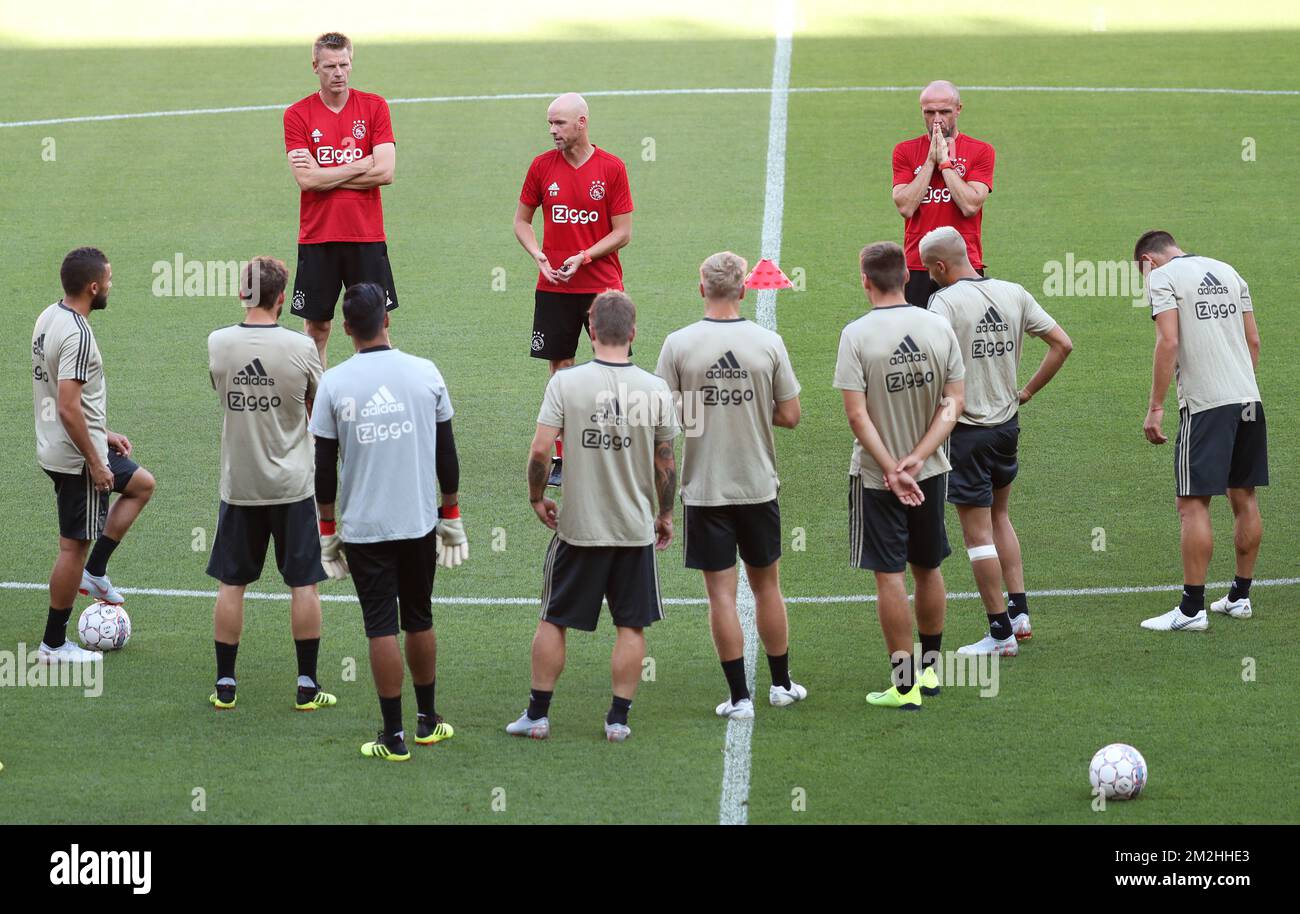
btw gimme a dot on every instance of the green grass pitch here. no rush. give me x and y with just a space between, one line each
1077 172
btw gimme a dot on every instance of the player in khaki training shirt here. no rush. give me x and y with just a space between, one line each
1206 336
619 483
265 376
733 381
900 372
991 318
86 461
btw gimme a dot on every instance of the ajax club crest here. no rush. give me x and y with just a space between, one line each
597 190
358 129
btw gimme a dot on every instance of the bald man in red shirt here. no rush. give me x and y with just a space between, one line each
941 178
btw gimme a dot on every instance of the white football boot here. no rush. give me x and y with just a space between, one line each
100 588
616 733
1238 609
741 710
533 729
1175 621
67 652
1007 647
780 696
1021 628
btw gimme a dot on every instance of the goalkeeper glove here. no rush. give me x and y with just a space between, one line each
453 547
331 552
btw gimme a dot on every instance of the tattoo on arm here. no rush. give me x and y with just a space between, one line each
537 473
665 475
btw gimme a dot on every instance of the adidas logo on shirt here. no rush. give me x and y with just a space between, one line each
554 189
908 351
38 347
1210 285
726 367
253 375
382 403
991 322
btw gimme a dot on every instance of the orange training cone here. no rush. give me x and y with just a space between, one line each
767 275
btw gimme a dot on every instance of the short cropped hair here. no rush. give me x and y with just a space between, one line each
723 275
81 267
613 318
884 264
334 41
262 281
1153 242
364 307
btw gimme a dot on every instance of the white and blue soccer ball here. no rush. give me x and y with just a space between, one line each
104 627
1118 772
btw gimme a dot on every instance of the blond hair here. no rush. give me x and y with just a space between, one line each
723 275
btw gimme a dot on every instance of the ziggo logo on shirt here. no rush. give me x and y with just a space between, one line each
328 155
561 214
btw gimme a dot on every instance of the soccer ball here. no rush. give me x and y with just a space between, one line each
104 627
1118 771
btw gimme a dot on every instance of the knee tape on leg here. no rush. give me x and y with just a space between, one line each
978 553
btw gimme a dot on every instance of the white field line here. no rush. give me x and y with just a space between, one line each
840 600
636 93
737 751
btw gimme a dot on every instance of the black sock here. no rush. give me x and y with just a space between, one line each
734 670
97 564
56 626
930 647
226 659
780 667
424 699
391 708
618 709
1240 588
1017 604
1000 625
904 673
1193 599
539 704
308 650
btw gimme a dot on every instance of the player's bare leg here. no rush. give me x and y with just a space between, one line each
774 631
422 656
548 655
1196 539
931 604
724 623
896 625
547 664
127 506
319 331
386 667
65 579
1004 537
770 614
304 612
1247 529
977 532
625 672
729 641
1013 569
228 613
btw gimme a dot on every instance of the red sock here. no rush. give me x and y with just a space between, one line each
559 449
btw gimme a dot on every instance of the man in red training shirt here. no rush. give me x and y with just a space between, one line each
940 178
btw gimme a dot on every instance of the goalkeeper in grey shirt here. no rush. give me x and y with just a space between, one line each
386 416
